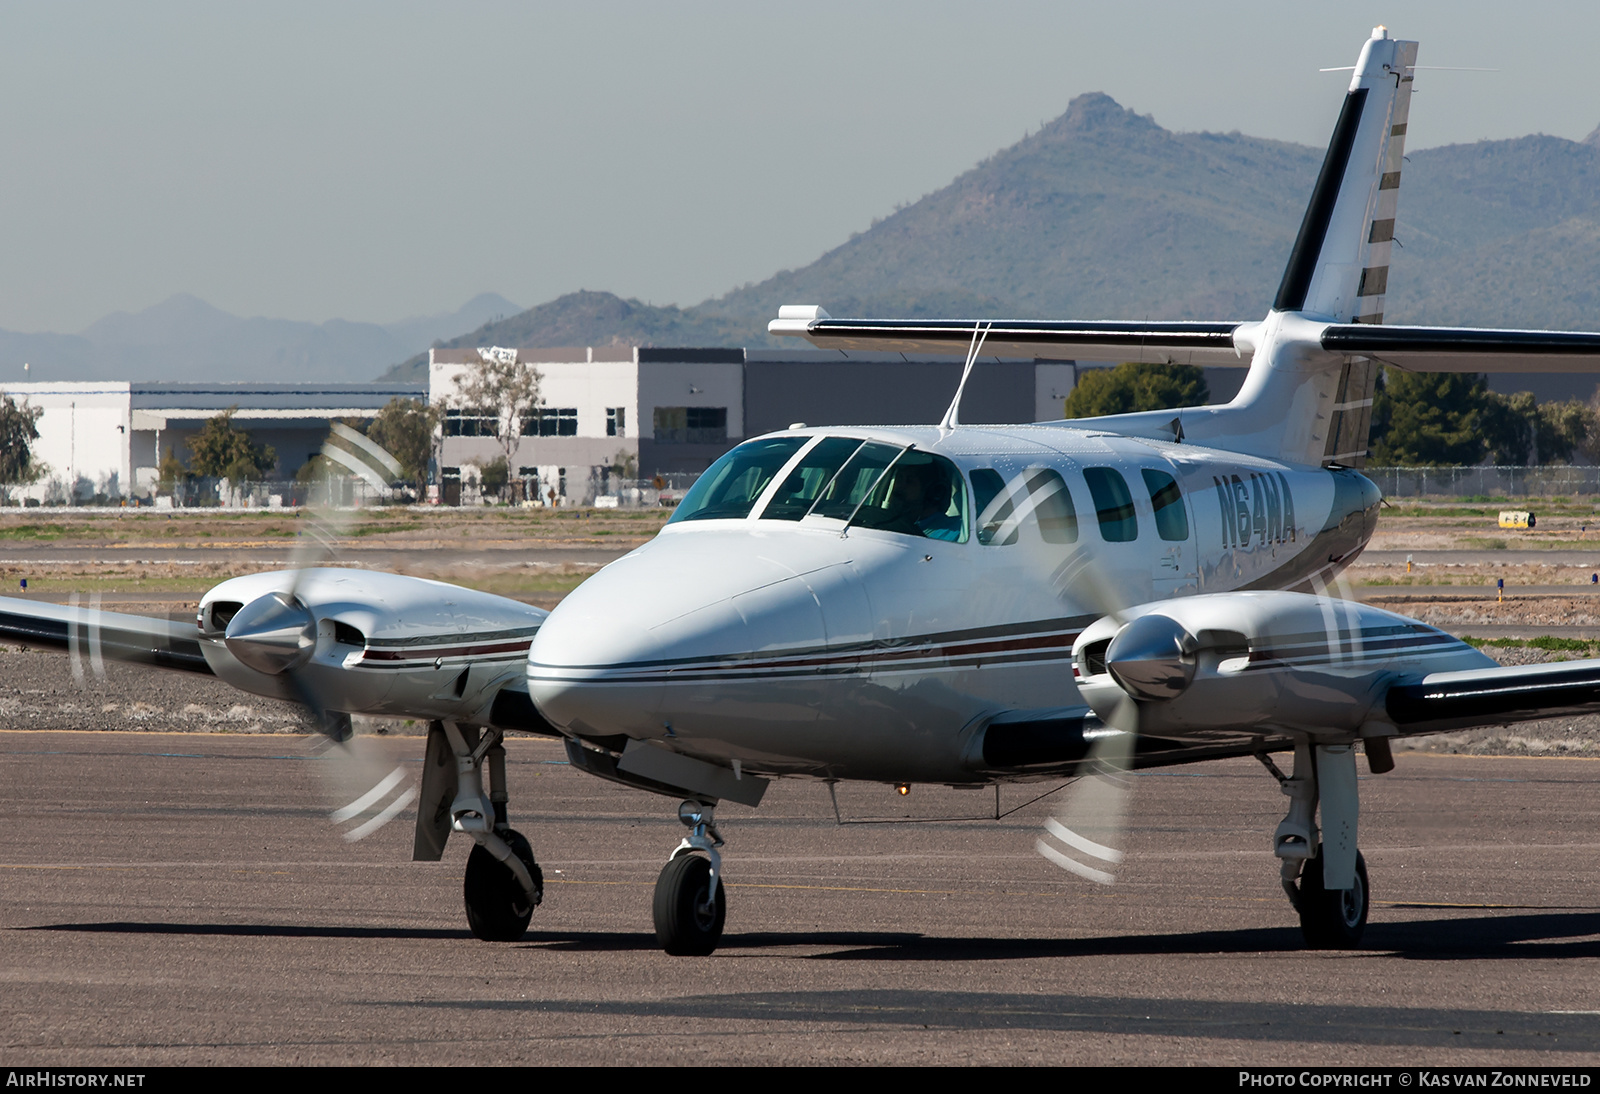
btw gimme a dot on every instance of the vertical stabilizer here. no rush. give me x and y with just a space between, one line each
1339 268
1351 427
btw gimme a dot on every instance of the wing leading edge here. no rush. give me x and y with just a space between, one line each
1466 699
161 643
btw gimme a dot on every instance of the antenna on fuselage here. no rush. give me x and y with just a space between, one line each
951 416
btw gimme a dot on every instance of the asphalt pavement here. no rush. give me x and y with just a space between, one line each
183 898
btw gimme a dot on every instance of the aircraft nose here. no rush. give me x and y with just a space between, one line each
651 636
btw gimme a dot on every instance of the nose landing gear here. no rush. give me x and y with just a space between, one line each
690 906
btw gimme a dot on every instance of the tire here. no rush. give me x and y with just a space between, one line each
684 925
1333 919
497 908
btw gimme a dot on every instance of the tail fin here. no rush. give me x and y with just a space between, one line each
1350 428
1339 268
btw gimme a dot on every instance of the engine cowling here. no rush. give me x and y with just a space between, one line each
1208 666
373 643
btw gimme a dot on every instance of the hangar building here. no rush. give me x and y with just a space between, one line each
103 437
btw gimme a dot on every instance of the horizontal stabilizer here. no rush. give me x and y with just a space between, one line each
137 638
1467 349
1183 343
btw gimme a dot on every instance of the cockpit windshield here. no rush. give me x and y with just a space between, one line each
896 489
730 488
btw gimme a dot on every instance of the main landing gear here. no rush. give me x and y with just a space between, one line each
503 883
690 906
1326 879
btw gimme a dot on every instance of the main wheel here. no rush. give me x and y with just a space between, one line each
688 921
1332 919
497 908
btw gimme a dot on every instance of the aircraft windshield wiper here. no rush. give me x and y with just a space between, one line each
874 488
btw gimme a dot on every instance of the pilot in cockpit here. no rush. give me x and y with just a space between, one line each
920 502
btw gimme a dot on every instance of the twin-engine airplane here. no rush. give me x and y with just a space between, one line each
952 604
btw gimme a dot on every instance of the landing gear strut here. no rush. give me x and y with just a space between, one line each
690 907
1325 878
503 883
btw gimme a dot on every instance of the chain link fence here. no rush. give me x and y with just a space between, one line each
1485 482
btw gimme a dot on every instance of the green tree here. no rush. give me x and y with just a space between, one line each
19 428
222 450
405 428
1132 386
1563 428
493 476
625 464
1423 419
503 388
170 472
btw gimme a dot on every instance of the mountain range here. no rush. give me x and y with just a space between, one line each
1101 213
185 338
1104 214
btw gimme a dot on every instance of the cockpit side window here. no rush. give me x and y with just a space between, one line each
806 481
899 490
1038 492
1172 522
1113 504
731 487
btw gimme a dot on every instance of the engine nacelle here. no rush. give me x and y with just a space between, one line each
1205 666
371 643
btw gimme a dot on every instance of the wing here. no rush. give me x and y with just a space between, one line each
370 643
1444 701
1184 343
161 643
1208 669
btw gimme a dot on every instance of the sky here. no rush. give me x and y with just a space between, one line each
377 161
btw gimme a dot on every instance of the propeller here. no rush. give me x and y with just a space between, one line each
1085 835
1151 658
279 633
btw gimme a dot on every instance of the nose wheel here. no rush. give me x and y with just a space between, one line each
690 906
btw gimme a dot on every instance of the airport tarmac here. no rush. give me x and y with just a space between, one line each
182 898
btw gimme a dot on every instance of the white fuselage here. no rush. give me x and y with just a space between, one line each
806 647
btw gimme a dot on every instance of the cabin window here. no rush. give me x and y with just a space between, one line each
1039 492
1113 504
898 490
730 488
815 471
1172 522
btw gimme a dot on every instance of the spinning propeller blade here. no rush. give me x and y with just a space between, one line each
280 632
1085 835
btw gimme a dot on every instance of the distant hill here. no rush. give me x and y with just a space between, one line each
1105 214
593 319
185 338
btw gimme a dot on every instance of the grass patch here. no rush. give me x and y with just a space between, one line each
1422 579
525 584
1547 642
1484 543
383 529
30 531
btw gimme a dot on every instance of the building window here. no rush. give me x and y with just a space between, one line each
470 422
691 424
551 421
616 421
